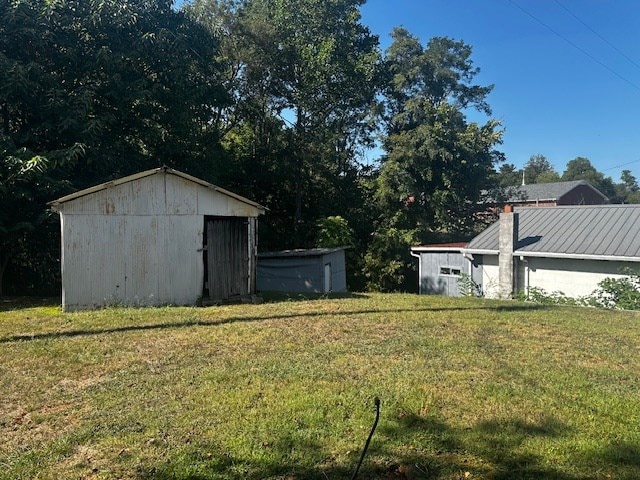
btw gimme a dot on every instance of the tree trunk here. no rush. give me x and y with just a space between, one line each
299 174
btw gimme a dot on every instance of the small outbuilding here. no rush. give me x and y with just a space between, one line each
440 268
316 270
155 238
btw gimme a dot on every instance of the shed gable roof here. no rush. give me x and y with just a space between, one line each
55 204
608 232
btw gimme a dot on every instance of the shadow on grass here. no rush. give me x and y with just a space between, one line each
494 450
242 319
203 461
622 453
19 303
277 297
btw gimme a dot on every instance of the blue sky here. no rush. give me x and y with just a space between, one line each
561 90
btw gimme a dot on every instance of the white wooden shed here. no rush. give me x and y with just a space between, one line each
158 237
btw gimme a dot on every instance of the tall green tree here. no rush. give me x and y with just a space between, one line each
627 191
581 168
311 68
508 176
540 170
436 163
629 181
131 81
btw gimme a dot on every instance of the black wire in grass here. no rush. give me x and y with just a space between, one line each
376 401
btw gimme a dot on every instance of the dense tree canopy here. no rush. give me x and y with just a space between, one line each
539 170
92 90
436 163
306 71
274 99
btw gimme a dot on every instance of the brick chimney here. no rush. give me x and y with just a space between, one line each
508 239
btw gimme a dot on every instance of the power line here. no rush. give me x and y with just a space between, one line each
597 34
620 166
577 47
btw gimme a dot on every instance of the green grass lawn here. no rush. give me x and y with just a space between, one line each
470 389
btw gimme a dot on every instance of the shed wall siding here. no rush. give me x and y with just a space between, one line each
139 242
131 259
432 282
338 270
296 275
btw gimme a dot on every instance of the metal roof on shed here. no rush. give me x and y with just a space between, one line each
608 232
302 252
440 247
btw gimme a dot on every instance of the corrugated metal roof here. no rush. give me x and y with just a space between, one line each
306 252
546 191
146 173
607 231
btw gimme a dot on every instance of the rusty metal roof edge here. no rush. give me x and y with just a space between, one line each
137 176
302 252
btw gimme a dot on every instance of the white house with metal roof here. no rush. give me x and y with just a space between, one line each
154 238
569 249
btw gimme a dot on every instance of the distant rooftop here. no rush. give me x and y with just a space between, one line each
553 191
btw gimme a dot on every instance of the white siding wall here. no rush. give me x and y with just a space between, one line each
139 243
490 276
574 278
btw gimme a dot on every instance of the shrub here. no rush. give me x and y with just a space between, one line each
622 293
334 231
619 293
467 287
540 295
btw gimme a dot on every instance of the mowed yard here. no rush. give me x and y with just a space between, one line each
470 389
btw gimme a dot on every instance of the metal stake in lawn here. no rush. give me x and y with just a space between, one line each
366 445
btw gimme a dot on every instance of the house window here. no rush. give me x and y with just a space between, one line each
450 271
